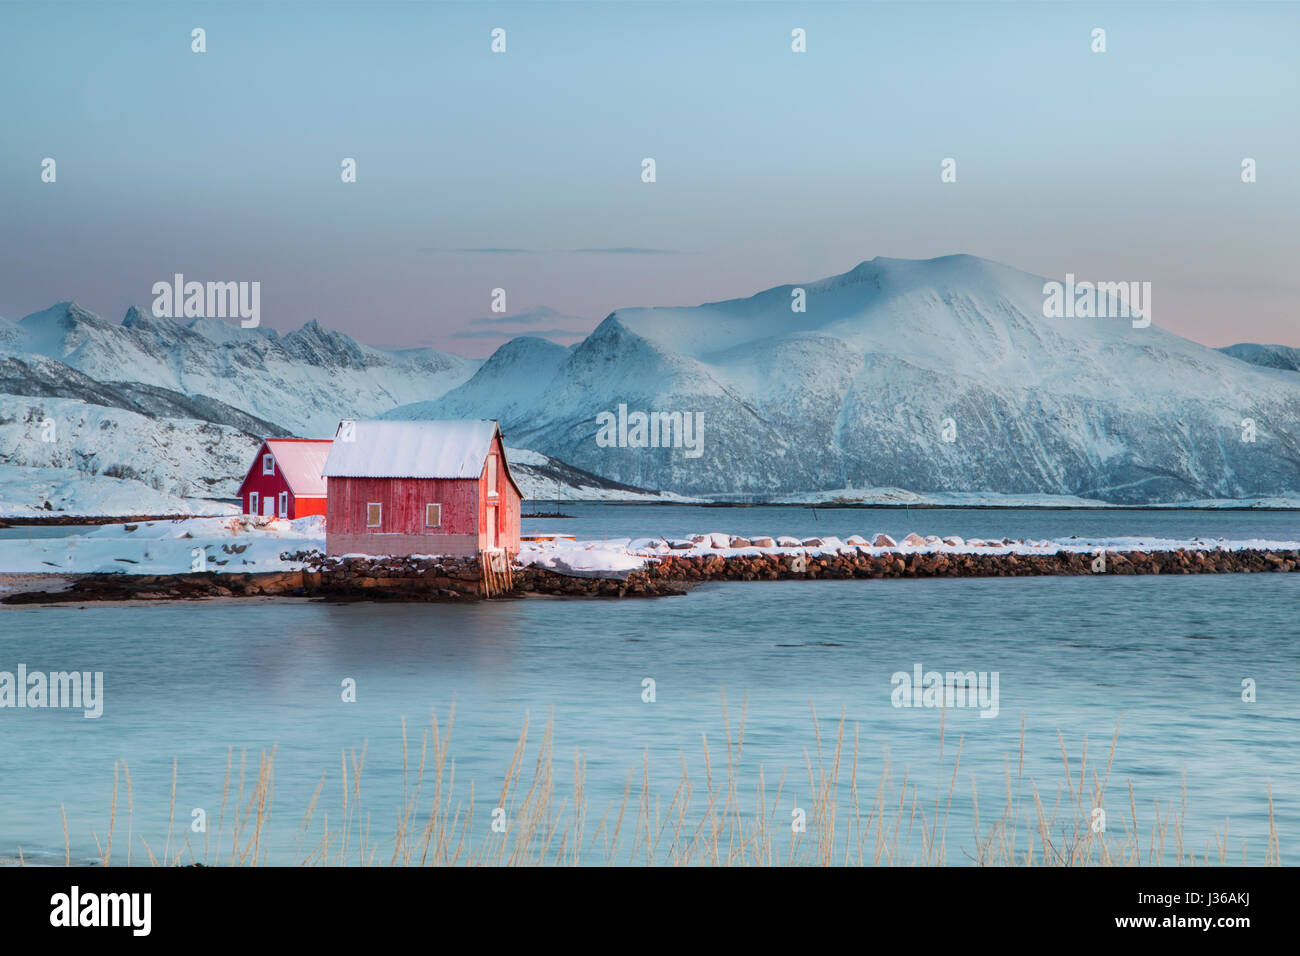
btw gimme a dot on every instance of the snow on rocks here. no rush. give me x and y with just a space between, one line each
590 558
602 555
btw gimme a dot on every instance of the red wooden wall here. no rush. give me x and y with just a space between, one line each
403 501
464 505
272 485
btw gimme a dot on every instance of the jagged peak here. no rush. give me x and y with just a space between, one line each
140 319
63 312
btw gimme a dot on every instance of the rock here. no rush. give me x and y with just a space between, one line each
719 540
914 540
883 541
812 542
678 544
738 542
953 541
933 540
762 542
785 541
856 540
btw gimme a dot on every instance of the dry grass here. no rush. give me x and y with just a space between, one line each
706 821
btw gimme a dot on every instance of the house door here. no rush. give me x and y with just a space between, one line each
492 526
268 506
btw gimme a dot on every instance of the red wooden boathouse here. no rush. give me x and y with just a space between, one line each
285 479
432 487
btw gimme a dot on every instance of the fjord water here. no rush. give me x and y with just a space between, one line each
594 522
1164 655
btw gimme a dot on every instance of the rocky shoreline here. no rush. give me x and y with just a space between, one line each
64 520
460 580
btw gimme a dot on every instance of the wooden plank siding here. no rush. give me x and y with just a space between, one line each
403 501
465 503
508 504
274 485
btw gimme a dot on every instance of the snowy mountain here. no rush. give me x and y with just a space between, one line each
37 376
178 458
303 382
938 376
1269 356
857 391
78 436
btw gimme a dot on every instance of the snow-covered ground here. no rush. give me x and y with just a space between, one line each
71 493
222 544
237 544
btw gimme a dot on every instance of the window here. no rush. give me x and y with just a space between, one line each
492 476
374 514
432 516
252 502
284 504
268 464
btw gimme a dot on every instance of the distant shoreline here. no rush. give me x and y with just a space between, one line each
42 521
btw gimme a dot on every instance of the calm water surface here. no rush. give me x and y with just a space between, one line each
1167 655
635 521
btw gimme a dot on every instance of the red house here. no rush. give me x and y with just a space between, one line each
286 480
436 487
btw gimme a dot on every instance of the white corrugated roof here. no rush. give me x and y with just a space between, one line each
301 461
412 449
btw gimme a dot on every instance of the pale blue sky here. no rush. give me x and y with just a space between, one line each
773 167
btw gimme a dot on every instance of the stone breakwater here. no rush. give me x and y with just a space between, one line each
861 563
346 579
459 579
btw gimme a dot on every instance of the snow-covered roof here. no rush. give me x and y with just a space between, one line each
301 461
413 449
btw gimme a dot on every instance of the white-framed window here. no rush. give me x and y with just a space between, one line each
284 504
253 502
374 514
268 464
432 515
492 476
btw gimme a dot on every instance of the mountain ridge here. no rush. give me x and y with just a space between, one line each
858 388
